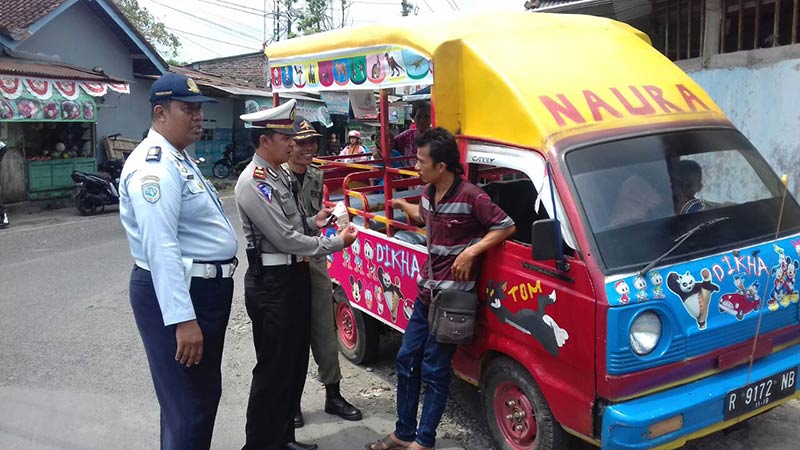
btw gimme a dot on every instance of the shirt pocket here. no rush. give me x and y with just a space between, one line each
289 205
196 201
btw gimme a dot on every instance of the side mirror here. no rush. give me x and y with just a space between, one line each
544 240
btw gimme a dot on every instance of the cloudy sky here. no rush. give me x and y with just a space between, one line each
214 28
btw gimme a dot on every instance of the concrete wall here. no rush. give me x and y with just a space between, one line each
759 91
79 38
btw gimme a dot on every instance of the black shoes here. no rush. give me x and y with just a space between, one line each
298 420
336 404
300 446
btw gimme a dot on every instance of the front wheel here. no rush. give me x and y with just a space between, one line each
221 170
358 334
83 204
516 411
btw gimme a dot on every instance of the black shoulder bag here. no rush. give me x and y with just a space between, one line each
451 316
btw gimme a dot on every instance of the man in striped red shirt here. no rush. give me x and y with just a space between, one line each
462 223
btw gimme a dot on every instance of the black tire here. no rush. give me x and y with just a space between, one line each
83 205
508 385
358 333
221 170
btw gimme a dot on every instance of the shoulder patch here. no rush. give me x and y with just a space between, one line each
259 173
266 191
151 191
154 154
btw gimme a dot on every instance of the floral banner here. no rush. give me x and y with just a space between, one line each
29 107
375 68
43 89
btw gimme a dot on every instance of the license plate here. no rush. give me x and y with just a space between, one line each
760 393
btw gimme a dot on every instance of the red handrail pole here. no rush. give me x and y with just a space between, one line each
387 157
276 99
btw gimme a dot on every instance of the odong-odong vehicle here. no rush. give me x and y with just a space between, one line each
95 191
623 311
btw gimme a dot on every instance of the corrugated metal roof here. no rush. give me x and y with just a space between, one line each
17 15
37 69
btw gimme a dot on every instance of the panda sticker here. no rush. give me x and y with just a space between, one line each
695 295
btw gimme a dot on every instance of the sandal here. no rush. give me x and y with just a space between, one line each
387 443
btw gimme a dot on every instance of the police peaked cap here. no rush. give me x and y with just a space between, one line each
279 118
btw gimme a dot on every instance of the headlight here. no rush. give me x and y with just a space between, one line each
645 333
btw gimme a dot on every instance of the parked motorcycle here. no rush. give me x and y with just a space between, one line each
230 161
95 191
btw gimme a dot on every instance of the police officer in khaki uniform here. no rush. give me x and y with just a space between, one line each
280 238
323 334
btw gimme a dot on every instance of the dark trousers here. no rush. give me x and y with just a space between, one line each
279 305
421 359
188 396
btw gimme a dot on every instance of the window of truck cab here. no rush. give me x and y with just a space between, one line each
640 195
516 181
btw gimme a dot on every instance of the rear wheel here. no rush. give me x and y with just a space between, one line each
516 411
83 204
221 170
358 333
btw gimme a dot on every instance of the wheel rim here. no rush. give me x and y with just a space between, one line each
515 416
346 321
221 171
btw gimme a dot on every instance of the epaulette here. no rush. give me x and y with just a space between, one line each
259 173
154 154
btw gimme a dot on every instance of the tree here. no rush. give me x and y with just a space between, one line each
313 19
151 28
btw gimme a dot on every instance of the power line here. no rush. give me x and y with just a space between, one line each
207 21
229 6
210 39
202 46
426 4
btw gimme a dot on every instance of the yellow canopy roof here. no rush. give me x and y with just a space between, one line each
530 79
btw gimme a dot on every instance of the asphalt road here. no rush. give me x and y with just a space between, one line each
73 374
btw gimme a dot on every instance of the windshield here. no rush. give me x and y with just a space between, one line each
639 195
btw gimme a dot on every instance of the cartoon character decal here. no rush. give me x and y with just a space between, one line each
356 249
531 322
657 280
783 281
369 255
392 292
695 295
276 76
408 308
356 287
640 285
742 302
623 290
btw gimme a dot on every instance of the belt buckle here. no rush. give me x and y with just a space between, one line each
210 271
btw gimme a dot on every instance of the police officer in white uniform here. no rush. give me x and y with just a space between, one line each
184 249
280 238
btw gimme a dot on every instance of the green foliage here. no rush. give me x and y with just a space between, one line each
153 30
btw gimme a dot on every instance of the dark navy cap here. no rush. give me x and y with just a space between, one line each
177 87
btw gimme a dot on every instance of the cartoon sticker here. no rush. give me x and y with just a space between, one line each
535 323
695 295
